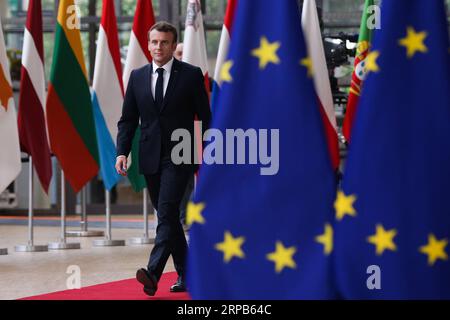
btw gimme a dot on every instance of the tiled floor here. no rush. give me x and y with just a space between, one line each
27 274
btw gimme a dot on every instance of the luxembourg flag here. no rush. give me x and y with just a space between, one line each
313 37
224 46
107 96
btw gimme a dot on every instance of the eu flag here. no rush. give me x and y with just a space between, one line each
394 208
263 229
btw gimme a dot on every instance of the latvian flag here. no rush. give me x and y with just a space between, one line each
31 117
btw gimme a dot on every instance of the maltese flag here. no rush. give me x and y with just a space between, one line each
194 51
194 48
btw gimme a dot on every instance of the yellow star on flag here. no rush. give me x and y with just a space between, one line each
231 247
282 257
194 213
435 249
326 239
414 42
344 205
225 75
383 239
267 52
307 62
371 61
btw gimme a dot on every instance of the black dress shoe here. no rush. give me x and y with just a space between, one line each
148 280
179 286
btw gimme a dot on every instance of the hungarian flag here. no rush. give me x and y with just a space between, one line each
222 65
10 155
318 70
31 118
69 109
138 56
107 96
359 72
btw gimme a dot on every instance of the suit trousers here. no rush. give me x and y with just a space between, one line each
166 189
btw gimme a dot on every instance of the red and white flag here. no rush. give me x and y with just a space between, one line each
313 37
194 52
10 150
224 43
31 117
194 48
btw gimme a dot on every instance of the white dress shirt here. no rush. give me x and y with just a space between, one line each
167 69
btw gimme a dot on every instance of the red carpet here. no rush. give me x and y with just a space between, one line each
128 289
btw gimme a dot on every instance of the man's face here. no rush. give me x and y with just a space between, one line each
179 51
161 46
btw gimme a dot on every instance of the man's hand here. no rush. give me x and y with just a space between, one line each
121 165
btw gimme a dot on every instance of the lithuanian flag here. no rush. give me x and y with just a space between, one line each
69 110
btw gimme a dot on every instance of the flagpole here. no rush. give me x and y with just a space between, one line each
108 241
145 238
62 244
84 232
30 247
83 222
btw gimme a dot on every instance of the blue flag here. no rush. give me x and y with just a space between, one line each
394 208
106 147
261 223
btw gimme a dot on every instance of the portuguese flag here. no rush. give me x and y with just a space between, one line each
70 118
359 72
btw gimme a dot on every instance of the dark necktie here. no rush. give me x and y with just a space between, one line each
159 89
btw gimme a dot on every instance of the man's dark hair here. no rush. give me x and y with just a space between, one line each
164 26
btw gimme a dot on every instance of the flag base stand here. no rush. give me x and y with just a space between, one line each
140 240
89 233
3 252
63 245
31 248
108 243
84 232
145 239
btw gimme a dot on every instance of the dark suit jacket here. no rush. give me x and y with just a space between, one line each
185 97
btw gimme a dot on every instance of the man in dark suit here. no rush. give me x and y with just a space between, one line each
165 95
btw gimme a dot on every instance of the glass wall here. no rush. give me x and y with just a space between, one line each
338 16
